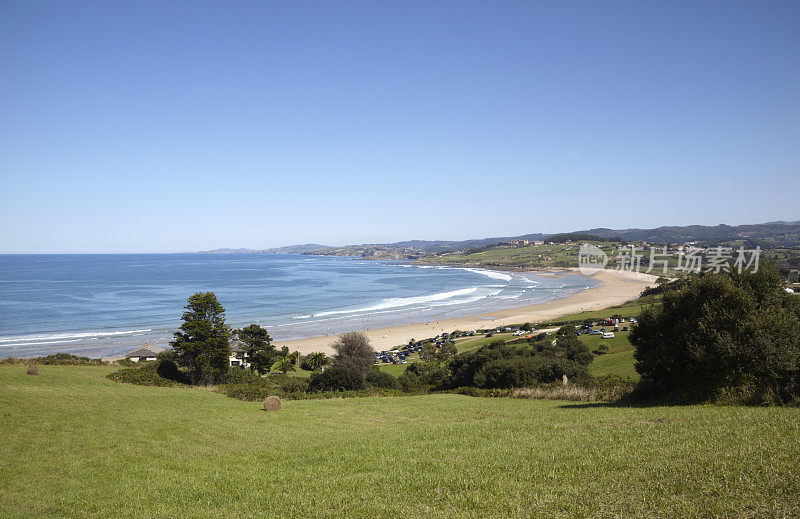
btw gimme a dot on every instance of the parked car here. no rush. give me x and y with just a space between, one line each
489 335
608 335
596 332
624 328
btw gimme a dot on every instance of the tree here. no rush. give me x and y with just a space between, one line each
574 350
441 354
378 378
259 348
202 342
354 353
314 361
284 364
721 331
433 368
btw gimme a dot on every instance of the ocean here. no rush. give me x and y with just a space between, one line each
102 305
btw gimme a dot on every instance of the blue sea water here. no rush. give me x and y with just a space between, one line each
106 305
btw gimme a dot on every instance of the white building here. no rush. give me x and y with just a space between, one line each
141 355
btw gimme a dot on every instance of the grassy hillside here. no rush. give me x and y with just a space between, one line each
76 444
532 256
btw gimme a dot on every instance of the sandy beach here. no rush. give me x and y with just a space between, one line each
615 288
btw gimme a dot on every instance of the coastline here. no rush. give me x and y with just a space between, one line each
615 288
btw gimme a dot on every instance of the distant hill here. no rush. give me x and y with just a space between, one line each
289 249
296 249
771 234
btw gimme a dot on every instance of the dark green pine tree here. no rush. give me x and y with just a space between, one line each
202 343
260 350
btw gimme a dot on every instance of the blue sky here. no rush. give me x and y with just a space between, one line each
169 126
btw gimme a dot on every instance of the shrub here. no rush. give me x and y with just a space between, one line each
410 382
67 359
720 332
248 392
574 350
291 384
144 376
502 365
169 370
378 378
336 379
524 371
240 375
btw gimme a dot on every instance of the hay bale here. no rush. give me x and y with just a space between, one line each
272 403
33 369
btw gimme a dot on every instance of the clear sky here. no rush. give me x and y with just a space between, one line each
133 126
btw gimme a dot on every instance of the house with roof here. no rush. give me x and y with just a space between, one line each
141 355
238 355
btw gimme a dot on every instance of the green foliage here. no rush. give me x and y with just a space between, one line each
247 385
260 351
438 354
720 332
336 378
521 371
67 359
169 370
240 375
574 350
314 361
502 365
378 378
284 364
143 375
248 392
290 385
354 353
410 382
202 343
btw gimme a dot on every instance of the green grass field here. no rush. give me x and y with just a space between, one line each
75 444
540 256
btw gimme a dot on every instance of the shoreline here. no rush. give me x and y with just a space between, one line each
615 288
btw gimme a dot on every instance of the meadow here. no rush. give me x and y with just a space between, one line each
76 444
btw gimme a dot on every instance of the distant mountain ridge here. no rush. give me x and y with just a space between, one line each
772 233
778 233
